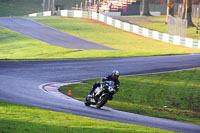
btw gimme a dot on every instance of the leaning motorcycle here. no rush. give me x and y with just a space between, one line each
101 94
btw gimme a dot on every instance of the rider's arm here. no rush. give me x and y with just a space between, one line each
104 79
117 86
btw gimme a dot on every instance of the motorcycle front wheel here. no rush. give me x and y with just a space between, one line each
102 100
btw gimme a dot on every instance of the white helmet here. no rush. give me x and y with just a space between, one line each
115 74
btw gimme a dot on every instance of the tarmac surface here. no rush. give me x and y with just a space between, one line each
43 33
21 82
127 19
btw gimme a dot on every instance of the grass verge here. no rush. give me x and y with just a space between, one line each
174 95
17 118
15 46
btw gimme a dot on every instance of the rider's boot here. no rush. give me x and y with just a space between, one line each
89 96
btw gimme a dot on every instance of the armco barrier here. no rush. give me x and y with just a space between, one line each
177 40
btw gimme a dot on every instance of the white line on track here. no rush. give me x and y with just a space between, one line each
52 88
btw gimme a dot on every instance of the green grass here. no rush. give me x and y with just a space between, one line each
148 94
101 33
132 44
158 18
15 46
161 27
17 118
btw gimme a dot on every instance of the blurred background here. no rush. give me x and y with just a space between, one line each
24 7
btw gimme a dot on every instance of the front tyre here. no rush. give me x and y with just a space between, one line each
102 100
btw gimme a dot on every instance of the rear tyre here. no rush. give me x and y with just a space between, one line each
87 102
102 100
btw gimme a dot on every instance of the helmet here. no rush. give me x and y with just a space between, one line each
115 74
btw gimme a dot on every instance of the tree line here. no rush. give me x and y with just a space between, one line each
171 5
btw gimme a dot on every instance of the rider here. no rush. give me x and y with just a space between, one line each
113 77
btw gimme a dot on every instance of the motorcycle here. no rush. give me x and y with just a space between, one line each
101 94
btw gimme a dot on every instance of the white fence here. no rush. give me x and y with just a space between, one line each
177 40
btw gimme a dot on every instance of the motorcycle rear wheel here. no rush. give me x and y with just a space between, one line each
101 101
87 103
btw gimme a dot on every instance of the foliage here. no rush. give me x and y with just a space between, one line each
17 118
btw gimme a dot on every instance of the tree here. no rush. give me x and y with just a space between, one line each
145 8
186 10
170 9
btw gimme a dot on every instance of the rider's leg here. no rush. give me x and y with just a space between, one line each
97 84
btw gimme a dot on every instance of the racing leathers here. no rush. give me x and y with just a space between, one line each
108 78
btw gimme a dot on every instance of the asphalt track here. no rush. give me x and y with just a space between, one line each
47 34
20 81
139 19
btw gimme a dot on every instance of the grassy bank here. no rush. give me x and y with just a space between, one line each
17 118
174 95
15 46
101 33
